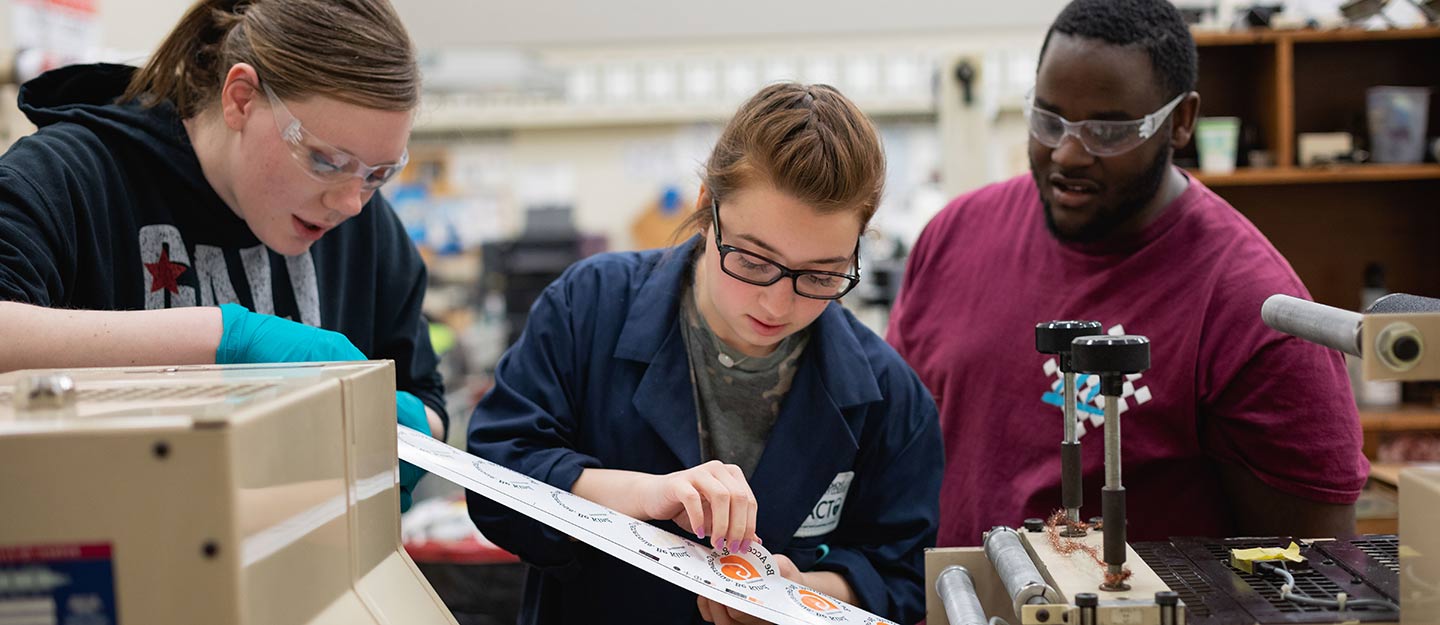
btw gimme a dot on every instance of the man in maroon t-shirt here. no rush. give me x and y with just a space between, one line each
1235 428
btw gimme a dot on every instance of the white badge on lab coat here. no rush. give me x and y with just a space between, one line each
825 517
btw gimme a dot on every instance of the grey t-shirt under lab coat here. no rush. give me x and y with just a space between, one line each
738 404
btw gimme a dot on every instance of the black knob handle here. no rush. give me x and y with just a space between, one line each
1054 337
1110 354
1033 524
1167 598
1086 600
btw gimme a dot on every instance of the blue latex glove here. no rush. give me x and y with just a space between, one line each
410 412
250 337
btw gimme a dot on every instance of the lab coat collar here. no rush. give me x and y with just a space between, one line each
834 374
651 324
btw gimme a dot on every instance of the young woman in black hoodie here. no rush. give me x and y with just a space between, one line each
219 204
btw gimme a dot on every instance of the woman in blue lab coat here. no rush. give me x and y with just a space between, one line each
718 390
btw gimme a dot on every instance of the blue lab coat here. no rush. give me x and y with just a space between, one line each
600 378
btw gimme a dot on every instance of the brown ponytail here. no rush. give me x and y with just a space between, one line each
355 51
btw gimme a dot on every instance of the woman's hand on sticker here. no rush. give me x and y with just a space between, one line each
712 501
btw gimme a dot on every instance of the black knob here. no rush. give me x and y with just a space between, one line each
1110 354
1406 348
1167 598
965 75
1086 600
1054 337
1033 524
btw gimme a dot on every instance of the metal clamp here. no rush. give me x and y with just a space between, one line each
51 391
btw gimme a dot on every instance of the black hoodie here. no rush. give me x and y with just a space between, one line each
106 208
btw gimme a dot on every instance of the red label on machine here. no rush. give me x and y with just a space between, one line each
38 553
56 584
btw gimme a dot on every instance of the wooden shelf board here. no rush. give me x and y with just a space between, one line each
1402 419
1320 175
1260 35
1357 34
1234 37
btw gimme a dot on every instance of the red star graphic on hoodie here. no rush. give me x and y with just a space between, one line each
164 273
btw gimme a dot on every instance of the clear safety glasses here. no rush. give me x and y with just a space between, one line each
1099 137
323 161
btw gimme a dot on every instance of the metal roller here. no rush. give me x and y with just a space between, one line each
957 593
1329 326
1012 562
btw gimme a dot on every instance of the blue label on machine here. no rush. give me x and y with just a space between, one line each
57 585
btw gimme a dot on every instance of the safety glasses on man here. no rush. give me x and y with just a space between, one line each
752 268
323 161
1099 137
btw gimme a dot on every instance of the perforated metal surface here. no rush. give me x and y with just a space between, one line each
1216 594
1375 558
1180 575
1385 549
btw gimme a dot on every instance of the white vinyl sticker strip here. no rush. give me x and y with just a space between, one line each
749 581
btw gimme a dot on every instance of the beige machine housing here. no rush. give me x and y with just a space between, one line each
241 495
1068 574
1420 546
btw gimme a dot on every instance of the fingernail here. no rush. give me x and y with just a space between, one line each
744 545
700 533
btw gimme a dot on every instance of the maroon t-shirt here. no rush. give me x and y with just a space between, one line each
1222 387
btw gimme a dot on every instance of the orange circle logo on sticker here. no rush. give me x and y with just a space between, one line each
736 568
815 601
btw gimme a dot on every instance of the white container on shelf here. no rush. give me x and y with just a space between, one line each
1217 139
1397 117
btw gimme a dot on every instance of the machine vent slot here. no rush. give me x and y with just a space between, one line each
1384 548
1179 575
149 393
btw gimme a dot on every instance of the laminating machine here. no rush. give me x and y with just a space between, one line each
1068 572
239 495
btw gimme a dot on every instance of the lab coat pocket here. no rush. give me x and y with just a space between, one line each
806 552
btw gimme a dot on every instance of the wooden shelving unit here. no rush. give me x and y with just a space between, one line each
1329 222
